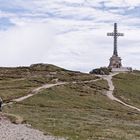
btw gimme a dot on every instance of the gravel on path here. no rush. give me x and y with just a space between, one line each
10 131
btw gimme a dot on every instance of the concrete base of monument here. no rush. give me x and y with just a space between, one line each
122 69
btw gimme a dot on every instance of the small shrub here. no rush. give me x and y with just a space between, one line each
101 71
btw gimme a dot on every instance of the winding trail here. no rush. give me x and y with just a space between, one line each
36 91
10 131
109 94
46 86
111 89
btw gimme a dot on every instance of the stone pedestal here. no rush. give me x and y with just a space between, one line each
115 62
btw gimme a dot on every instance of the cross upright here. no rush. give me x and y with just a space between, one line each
115 34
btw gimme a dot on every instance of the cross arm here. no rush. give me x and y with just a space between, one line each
110 34
120 34
113 34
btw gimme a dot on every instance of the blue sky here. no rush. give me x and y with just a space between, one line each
68 33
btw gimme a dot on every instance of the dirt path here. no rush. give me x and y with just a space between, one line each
46 86
111 89
36 91
10 131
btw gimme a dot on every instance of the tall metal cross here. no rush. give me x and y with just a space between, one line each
116 35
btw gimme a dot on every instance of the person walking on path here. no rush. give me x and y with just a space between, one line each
1 102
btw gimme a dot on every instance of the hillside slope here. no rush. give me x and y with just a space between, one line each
78 110
20 81
127 88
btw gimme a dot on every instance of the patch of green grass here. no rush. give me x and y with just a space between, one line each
19 81
79 112
75 76
127 88
13 88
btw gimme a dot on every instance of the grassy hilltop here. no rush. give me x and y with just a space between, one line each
76 111
20 81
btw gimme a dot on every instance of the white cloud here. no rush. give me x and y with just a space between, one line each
72 36
26 44
132 2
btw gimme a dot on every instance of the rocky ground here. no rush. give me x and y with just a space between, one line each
10 131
